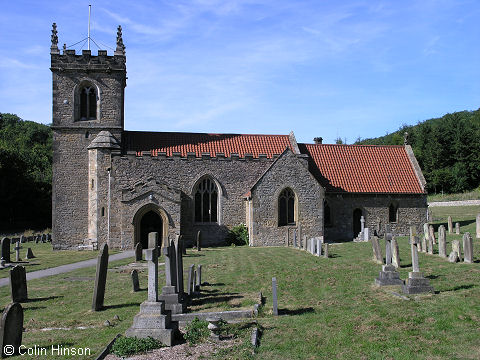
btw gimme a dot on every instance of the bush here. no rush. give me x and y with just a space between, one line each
197 331
238 235
125 346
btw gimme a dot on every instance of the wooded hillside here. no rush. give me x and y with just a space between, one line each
25 174
447 149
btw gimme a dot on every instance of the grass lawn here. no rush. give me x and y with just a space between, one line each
330 307
469 195
46 257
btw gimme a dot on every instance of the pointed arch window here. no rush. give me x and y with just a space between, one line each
286 207
88 103
393 213
206 201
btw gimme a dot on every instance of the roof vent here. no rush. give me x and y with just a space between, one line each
318 140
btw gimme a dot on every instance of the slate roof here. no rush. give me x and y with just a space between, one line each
362 168
198 143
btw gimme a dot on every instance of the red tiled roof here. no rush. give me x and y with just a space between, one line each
363 168
198 143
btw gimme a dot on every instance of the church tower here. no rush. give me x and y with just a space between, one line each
88 97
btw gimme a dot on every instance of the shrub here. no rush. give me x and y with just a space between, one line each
197 331
238 235
125 346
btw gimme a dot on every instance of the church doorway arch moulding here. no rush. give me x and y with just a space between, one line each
150 218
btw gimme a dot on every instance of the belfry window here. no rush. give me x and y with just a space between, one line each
88 103
206 201
392 213
286 207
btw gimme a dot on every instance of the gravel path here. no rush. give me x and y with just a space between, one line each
454 203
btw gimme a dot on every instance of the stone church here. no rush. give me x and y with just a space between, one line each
114 186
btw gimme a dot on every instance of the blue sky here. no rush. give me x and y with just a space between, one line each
320 68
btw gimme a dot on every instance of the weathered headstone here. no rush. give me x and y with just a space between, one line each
395 255
11 328
377 254
29 254
23 239
17 251
37 239
190 280
431 233
153 241
319 246
478 225
274 296
456 248
416 282
325 250
362 224
442 241
135 283
138 252
366 234
453 257
388 275
44 238
199 240
173 300
18 284
179 245
467 248
450 225
6 249
426 237
430 244
198 281
457 228
100 279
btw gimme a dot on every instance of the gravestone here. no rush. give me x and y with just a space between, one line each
6 249
366 234
17 251
362 224
23 239
199 240
478 225
425 238
18 284
304 242
179 245
153 240
431 233
152 320
29 254
453 257
388 275
135 283
190 280
274 296
44 238
467 248
395 255
457 228
11 328
325 250
319 246
37 239
377 253
442 241
430 244
416 283
456 248
450 225
172 299
138 252
100 279
198 278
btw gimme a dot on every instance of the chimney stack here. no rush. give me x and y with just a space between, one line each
318 140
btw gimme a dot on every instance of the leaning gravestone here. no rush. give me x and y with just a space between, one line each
199 240
191 271
18 284
450 225
467 248
6 249
135 283
416 282
11 328
478 226
457 228
100 279
138 252
395 255
442 242
377 254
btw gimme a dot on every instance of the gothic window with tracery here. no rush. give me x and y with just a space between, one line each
286 207
88 103
206 201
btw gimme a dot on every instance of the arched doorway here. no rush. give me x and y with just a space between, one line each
357 227
150 222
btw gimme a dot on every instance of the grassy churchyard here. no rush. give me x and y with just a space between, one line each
329 307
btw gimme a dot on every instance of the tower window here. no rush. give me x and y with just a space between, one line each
88 103
206 201
286 207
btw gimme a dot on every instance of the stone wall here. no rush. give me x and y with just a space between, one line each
412 210
288 171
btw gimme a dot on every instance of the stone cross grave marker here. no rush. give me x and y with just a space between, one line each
11 328
18 284
170 265
170 295
135 283
377 253
6 249
17 251
450 225
442 241
151 255
274 296
395 255
467 248
138 252
190 280
457 228
478 225
100 279
199 240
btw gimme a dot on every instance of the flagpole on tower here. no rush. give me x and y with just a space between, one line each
89 12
